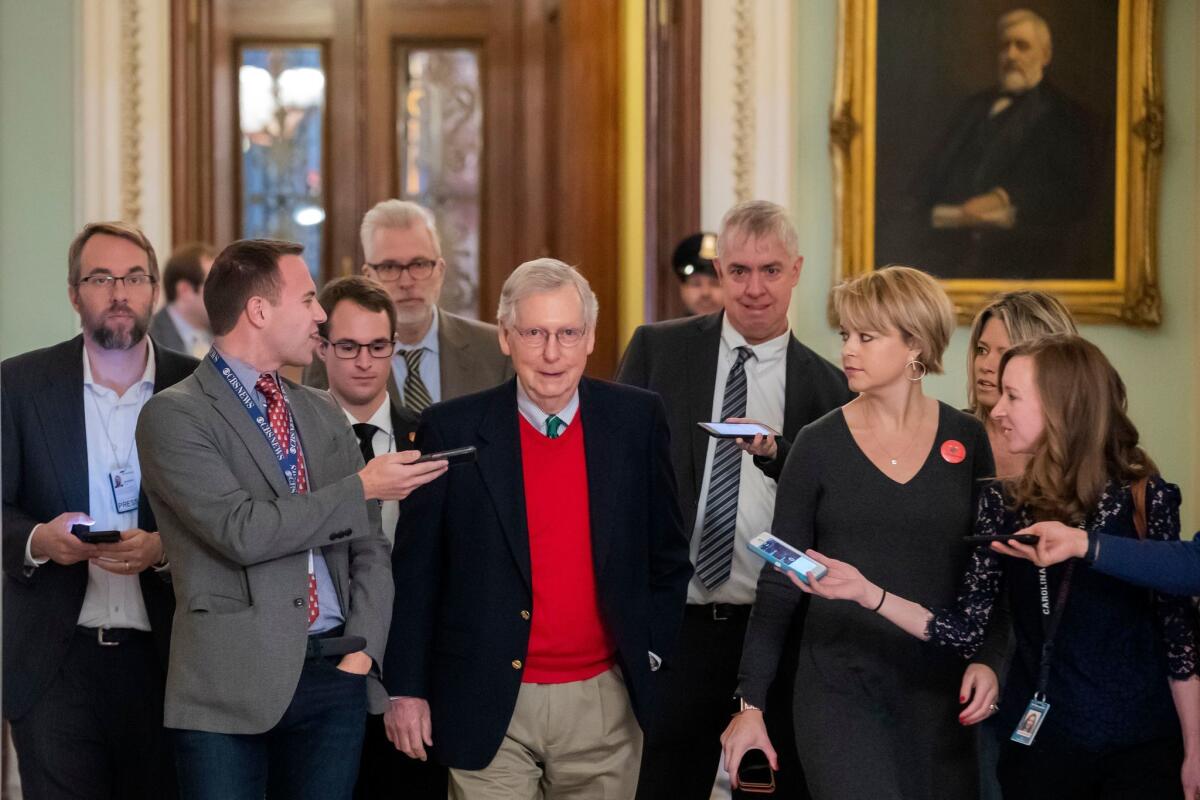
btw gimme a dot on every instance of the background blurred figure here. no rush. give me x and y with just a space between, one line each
1011 319
182 324
87 626
699 286
439 356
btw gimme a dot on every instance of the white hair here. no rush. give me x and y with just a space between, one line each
758 219
544 275
1040 27
397 215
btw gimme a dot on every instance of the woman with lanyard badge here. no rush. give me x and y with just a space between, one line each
1104 675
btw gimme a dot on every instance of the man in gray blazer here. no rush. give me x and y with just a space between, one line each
182 324
439 355
279 565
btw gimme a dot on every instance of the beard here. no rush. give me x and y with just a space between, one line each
1016 80
116 335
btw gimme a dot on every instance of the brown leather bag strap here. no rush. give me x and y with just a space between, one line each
1138 489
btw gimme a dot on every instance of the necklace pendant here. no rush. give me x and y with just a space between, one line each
894 462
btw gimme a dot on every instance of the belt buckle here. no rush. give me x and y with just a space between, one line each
718 613
101 640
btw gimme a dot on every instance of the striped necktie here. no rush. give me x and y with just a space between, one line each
714 560
416 395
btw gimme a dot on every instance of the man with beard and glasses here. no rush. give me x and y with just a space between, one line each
86 625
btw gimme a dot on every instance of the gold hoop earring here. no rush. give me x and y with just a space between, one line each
914 365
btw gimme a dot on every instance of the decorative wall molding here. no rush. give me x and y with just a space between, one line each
131 112
743 100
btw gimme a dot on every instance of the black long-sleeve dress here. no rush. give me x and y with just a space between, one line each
876 710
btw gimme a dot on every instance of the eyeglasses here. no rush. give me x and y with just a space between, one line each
419 269
348 348
538 337
138 280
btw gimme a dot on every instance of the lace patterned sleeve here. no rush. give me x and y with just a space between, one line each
962 626
1176 616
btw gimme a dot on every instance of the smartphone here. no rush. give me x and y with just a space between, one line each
459 455
784 556
755 774
1023 538
735 430
90 536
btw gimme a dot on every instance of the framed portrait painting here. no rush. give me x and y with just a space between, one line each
1002 146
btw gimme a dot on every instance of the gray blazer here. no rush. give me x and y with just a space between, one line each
469 353
238 541
164 332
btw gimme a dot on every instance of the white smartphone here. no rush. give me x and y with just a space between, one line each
735 430
784 556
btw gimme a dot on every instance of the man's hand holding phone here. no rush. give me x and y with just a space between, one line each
746 731
54 540
394 476
408 727
762 445
136 551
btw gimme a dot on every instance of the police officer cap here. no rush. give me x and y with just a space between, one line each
694 255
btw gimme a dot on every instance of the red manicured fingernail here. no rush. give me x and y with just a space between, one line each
962 699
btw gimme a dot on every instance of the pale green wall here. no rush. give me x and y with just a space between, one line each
37 178
1160 366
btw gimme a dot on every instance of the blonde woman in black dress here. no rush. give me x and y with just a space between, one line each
890 480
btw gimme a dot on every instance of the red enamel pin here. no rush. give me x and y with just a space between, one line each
953 451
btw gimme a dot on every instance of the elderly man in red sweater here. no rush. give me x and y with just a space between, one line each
539 587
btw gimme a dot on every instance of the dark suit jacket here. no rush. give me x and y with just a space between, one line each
45 474
678 359
468 354
461 562
164 332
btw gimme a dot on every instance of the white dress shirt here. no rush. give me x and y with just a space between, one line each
766 383
537 418
383 441
431 362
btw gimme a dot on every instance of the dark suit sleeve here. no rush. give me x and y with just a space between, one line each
634 369
773 467
17 524
1170 567
175 446
416 572
776 600
670 564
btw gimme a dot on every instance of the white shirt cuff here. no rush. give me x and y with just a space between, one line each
30 561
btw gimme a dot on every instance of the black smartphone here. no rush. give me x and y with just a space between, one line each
1023 538
459 455
90 536
755 774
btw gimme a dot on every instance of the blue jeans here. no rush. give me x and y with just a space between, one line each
312 753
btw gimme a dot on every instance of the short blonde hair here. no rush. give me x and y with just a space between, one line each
544 275
758 219
902 299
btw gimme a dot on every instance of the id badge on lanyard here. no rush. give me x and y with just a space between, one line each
1035 713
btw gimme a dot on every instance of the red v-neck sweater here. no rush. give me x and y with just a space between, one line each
567 639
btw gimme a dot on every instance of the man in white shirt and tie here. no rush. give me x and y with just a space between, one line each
356 349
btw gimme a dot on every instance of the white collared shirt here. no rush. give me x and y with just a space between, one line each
111 600
195 340
766 383
431 362
537 418
383 441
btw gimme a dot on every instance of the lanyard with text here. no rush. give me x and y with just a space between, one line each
289 460
1035 713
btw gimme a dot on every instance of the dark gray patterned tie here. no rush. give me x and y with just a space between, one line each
714 559
416 395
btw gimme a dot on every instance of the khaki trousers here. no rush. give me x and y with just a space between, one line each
566 741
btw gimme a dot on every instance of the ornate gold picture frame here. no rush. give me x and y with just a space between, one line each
1122 285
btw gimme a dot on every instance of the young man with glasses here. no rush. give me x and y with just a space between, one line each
439 355
87 626
356 348
538 589
740 362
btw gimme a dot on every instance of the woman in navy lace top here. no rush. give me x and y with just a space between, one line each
1122 685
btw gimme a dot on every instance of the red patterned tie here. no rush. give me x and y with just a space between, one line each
281 422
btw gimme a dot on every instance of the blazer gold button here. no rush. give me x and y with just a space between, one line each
525 615
298 602
516 664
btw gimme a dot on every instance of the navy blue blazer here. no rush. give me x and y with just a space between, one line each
461 561
45 466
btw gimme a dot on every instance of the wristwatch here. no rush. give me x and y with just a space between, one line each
742 705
